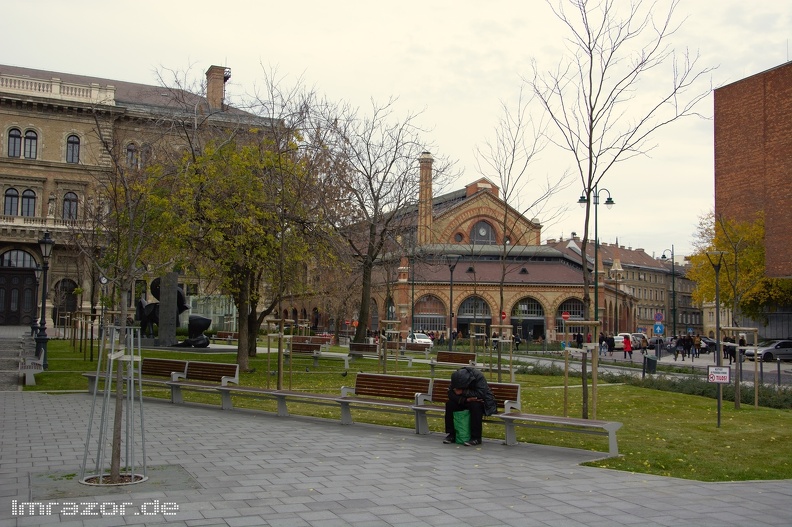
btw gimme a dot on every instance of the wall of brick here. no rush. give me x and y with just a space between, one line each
753 158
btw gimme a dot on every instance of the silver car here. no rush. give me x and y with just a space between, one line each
770 350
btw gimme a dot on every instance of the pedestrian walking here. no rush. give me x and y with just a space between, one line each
628 347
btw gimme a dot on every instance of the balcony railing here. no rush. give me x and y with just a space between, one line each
57 89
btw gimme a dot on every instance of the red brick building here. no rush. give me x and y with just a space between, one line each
753 158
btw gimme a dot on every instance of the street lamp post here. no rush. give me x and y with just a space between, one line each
608 203
673 289
452 260
616 271
716 259
34 326
46 244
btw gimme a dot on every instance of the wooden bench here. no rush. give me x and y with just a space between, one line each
455 359
395 393
226 336
507 398
305 348
314 350
416 346
29 368
200 376
361 349
323 341
152 371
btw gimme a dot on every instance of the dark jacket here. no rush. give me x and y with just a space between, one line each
475 385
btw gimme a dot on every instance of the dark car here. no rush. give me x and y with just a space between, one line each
654 340
709 345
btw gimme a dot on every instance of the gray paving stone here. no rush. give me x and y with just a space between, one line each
259 469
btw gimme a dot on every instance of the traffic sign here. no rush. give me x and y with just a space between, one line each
658 329
658 317
503 315
565 315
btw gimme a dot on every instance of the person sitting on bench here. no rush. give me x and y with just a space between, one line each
468 391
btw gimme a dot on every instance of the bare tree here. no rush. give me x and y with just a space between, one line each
373 166
518 141
595 96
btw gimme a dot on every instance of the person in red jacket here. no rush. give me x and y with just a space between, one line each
627 347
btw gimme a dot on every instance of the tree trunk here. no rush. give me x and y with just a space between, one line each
365 301
115 456
243 309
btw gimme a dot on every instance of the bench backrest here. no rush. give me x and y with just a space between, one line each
393 345
390 386
501 390
416 346
305 347
213 371
458 357
362 347
151 367
226 335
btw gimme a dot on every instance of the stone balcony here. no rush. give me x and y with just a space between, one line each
56 89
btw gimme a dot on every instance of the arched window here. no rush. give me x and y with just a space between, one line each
132 155
14 142
574 307
73 149
28 203
11 202
70 206
528 308
430 314
483 234
17 258
31 144
146 155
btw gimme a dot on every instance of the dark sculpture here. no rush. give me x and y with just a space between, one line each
148 314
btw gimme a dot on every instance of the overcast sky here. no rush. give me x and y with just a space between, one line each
454 61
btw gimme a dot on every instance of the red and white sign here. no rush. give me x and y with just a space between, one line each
503 315
565 315
719 374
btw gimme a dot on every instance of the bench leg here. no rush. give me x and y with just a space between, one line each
613 447
511 433
92 385
176 395
225 397
421 423
316 361
30 379
283 410
346 414
346 363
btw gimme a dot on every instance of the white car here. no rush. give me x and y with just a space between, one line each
419 338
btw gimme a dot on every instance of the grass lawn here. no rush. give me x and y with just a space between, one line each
663 433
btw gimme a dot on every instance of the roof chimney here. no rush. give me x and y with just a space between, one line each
216 77
425 199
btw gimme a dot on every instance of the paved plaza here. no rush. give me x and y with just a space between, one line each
238 468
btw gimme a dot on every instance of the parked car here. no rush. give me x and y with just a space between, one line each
420 338
619 340
654 340
636 339
709 345
770 350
